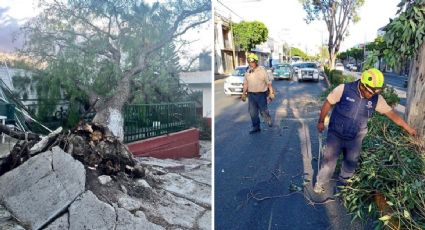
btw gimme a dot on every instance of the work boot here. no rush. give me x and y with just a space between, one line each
318 188
255 130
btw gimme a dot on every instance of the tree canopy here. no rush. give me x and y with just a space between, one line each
248 34
337 15
98 49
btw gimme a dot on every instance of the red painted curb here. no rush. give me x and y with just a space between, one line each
183 144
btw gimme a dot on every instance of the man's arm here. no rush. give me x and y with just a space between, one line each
245 86
393 116
326 107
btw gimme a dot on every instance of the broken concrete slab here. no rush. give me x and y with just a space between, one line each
61 223
168 164
202 175
204 222
194 191
126 221
129 203
88 212
173 210
60 177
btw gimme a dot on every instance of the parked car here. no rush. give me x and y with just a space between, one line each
339 66
233 84
282 71
306 71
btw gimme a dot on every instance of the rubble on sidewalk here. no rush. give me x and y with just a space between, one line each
75 181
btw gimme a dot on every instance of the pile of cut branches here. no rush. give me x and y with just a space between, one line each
389 184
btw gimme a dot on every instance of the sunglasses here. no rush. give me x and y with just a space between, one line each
373 91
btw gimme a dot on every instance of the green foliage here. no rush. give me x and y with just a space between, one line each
405 34
337 14
393 166
298 52
327 70
391 96
248 34
336 77
88 46
355 53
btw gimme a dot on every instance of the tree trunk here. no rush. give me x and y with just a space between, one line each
415 110
110 113
332 59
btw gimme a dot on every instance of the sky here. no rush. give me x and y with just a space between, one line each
285 20
13 13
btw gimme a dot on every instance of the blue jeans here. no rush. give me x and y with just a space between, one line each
257 103
334 146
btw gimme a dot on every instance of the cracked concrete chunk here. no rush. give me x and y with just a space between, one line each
168 164
88 212
62 223
202 174
204 223
129 203
60 177
126 221
174 210
187 188
104 179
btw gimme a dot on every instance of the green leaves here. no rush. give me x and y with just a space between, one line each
404 35
385 218
248 34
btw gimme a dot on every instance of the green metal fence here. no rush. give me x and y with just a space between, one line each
150 120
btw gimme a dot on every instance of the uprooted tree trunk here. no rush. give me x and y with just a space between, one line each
110 113
92 144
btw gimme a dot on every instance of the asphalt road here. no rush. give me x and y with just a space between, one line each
254 173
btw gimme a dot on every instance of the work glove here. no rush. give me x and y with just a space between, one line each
243 97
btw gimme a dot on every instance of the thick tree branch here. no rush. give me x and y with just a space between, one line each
18 134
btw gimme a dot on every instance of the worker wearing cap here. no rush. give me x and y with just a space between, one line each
354 103
258 88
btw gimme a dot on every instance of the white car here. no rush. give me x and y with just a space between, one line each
233 84
306 71
339 66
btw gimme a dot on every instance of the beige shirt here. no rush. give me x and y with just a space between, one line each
381 106
257 80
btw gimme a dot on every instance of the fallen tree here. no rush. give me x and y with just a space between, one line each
90 143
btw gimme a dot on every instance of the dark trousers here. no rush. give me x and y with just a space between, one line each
334 146
257 104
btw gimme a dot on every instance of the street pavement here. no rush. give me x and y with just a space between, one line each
255 175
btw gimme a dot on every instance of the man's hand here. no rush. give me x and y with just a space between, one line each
411 131
271 95
243 97
320 126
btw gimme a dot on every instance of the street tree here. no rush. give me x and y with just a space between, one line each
404 37
100 47
249 34
298 52
337 14
377 47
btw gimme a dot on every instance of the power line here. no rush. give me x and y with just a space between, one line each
230 9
